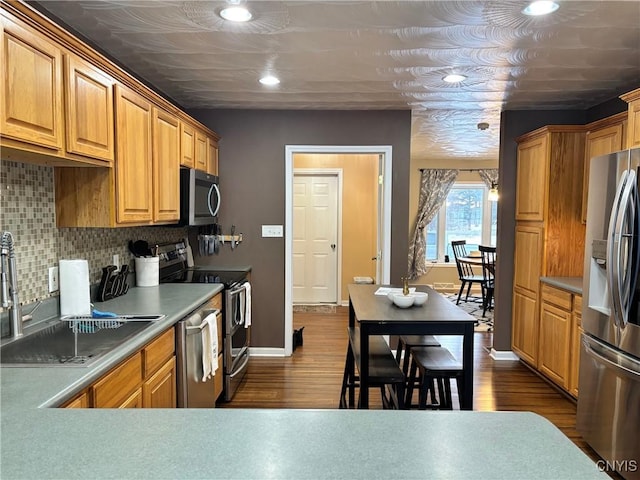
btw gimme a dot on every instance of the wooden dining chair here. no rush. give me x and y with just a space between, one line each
465 270
488 255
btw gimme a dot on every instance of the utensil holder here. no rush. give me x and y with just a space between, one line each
147 271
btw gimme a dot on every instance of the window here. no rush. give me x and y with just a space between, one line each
468 215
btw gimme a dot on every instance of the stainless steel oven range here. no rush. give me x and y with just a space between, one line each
236 308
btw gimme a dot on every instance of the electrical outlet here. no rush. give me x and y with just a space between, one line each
54 279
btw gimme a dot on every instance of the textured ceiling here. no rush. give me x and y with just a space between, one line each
376 55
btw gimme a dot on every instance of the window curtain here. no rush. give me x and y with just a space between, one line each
489 177
434 187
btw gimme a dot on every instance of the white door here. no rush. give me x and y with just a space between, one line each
315 232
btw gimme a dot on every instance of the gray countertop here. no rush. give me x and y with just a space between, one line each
39 442
571 284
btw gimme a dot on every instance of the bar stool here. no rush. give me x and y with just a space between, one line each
384 372
406 342
434 365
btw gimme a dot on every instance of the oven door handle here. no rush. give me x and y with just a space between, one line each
240 288
241 367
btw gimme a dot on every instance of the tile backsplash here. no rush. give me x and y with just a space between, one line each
27 210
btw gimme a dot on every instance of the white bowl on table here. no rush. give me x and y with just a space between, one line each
403 301
419 298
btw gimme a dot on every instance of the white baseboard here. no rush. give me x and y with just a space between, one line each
503 355
266 352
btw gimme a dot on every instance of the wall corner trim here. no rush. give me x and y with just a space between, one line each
503 355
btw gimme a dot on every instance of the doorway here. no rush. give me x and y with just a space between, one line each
317 202
381 218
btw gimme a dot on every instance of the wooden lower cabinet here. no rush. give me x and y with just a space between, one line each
116 386
134 400
525 326
147 379
159 391
559 337
555 334
81 401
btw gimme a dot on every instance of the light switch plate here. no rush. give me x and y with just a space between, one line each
272 230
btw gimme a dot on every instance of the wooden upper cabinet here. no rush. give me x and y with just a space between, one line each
31 82
633 135
166 167
187 145
134 161
89 110
202 159
532 179
212 156
600 141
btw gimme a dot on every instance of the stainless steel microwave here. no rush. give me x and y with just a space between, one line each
199 197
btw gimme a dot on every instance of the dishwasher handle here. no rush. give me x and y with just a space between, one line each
195 329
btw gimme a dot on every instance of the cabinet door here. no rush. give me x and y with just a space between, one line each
90 121
212 156
31 85
532 174
187 145
116 386
574 360
633 136
202 162
524 335
159 391
133 401
599 142
166 167
133 165
81 401
528 258
555 335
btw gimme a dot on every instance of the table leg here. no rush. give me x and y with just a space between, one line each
364 367
466 399
351 368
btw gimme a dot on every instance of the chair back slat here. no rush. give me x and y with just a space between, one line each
459 248
488 255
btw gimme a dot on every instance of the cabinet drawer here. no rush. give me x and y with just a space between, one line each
117 385
577 304
158 351
557 297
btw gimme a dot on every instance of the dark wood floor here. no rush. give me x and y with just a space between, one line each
312 376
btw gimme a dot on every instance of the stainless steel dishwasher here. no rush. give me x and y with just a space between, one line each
192 391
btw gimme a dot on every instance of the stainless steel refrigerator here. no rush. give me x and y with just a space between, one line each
609 382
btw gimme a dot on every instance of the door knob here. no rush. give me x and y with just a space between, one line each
333 246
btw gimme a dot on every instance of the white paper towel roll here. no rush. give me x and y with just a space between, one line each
74 288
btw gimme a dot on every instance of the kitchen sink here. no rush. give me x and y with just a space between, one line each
73 341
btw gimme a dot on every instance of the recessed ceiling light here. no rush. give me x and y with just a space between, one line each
540 7
454 78
269 80
236 14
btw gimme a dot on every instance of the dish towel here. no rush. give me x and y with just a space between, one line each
247 305
209 346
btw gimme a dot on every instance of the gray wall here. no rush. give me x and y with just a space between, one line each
252 181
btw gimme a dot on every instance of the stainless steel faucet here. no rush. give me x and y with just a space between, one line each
9 279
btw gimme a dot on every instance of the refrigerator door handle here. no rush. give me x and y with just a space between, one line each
625 229
629 274
599 353
613 249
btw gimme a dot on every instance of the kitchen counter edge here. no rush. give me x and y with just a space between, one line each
570 284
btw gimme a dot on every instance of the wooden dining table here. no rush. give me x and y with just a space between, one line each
377 315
